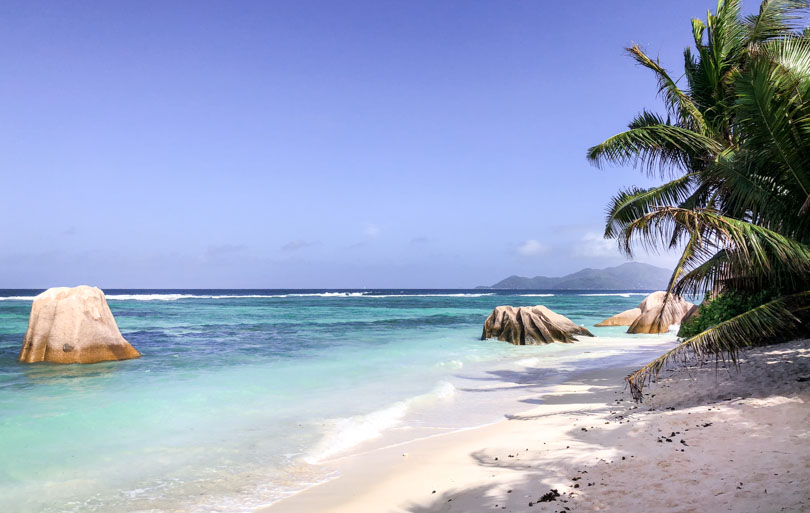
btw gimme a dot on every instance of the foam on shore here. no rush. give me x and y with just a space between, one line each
616 294
176 297
344 434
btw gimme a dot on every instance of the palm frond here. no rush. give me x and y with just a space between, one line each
758 248
774 19
747 194
791 59
777 139
633 202
707 275
725 39
654 144
676 100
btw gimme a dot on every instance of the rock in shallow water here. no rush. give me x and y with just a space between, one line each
528 325
73 325
648 317
625 318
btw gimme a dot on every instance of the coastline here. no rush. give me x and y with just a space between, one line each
251 405
703 440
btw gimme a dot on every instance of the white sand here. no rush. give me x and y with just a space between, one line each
746 448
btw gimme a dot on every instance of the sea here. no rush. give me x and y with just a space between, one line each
243 397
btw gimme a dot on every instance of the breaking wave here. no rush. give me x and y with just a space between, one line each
618 294
349 432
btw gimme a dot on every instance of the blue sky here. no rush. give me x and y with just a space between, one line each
317 144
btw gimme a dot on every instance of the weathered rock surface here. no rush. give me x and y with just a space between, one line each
73 325
652 320
647 317
691 314
625 318
528 325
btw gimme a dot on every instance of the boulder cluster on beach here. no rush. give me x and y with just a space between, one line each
655 314
530 325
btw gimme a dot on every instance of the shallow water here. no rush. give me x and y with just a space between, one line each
240 393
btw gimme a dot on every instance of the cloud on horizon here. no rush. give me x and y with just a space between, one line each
594 245
531 247
224 249
295 245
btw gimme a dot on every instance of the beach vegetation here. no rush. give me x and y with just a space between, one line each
722 308
734 149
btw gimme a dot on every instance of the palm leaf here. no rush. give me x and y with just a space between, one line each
767 114
632 203
747 194
761 250
774 20
653 144
677 101
710 274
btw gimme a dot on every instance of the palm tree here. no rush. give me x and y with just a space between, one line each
736 145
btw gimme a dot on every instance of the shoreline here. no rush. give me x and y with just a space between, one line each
512 381
591 443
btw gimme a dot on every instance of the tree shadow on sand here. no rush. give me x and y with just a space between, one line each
608 460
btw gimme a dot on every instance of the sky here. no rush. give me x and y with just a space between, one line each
317 144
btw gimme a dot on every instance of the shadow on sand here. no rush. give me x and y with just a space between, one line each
629 448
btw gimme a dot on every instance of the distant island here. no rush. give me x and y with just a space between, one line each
629 276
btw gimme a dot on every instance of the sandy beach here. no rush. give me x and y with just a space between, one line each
704 439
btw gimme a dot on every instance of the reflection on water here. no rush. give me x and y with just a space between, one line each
68 375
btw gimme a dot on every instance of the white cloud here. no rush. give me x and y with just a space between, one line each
371 230
593 245
531 248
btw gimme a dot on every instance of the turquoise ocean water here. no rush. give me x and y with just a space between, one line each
240 396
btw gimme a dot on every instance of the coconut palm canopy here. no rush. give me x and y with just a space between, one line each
734 144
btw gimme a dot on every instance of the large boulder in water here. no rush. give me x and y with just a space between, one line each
625 318
657 317
527 325
73 325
